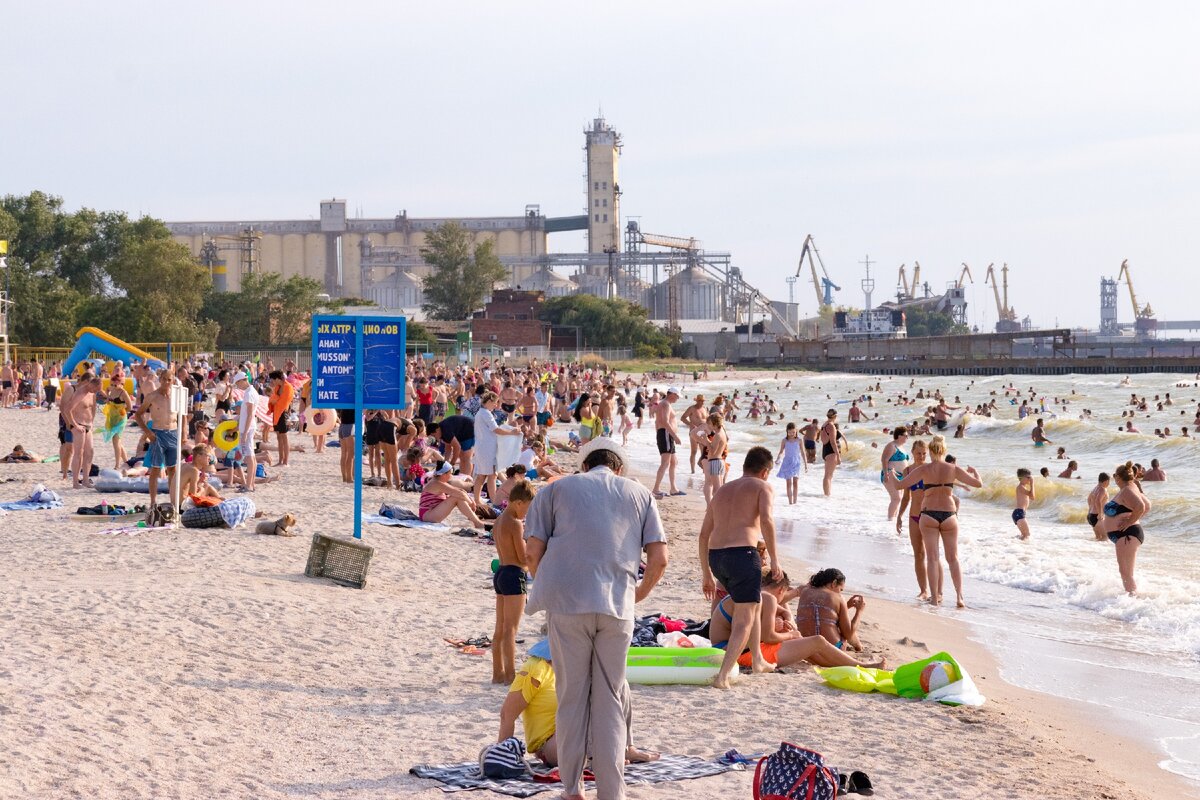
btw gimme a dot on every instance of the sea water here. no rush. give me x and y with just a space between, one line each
1052 608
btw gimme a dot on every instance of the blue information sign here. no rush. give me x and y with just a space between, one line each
338 370
358 362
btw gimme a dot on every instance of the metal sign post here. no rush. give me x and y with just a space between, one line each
179 402
358 362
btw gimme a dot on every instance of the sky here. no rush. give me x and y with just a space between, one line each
1059 138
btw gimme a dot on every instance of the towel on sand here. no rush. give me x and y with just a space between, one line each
461 777
39 498
379 519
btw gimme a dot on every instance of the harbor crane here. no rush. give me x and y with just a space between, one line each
966 273
821 281
903 289
1143 316
1006 321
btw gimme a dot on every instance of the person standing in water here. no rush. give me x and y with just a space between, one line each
910 513
1122 516
1039 434
790 461
892 458
1025 494
1096 501
831 453
939 514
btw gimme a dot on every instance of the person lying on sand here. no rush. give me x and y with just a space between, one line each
20 455
532 698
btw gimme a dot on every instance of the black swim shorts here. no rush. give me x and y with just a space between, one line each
1093 519
509 580
1018 515
666 444
739 570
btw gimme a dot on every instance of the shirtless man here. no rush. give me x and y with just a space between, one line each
1155 473
605 408
8 383
195 475
1096 501
693 417
667 437
941 414
80 413
163 437
1038 434
65 437
1025 494
733 525
809 434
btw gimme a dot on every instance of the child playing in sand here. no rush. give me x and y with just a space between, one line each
1025 494
509 581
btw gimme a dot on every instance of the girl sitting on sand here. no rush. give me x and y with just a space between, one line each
787 647
823 610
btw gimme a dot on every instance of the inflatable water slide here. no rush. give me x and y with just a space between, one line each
94 340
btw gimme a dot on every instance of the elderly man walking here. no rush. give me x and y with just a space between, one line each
584 540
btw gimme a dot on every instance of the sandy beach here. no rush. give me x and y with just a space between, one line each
203 664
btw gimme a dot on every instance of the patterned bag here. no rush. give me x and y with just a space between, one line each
504 759
795 773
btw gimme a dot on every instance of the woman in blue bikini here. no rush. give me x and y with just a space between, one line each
893 459
1121 520
939 521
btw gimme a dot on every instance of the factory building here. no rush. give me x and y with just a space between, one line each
379 259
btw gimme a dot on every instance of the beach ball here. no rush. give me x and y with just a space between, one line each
937 675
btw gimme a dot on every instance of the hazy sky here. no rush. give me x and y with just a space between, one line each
1057 137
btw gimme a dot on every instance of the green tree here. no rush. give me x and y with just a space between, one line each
610 323
462 276
931 323
268 311
97 268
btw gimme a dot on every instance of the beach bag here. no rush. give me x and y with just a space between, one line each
794 773
504 759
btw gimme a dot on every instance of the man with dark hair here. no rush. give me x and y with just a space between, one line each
737 518
585 535
457 432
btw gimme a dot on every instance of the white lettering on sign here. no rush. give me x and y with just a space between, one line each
333 356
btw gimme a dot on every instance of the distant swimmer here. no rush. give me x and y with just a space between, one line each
1129 427
1039 434
1026 494
1096 501
941 414
1069 472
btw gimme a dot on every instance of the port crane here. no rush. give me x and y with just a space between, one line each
903 292
1143 316
1006 321
822 281
966 273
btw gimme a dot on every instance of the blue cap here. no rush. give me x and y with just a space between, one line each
541 650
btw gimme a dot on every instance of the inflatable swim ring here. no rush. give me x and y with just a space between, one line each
321 421
225 436
649 666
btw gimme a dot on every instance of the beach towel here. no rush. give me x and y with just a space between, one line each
379 519
461 777
40 498
226 514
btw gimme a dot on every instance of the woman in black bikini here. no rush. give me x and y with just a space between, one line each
1121 516
911 503
831 453
939 514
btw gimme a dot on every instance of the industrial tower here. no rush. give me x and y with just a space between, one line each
602 151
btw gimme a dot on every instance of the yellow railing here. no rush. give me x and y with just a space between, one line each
48 355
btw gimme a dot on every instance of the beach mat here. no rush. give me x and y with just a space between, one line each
379 519
462 777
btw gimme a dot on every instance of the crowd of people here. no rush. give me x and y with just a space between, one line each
478 441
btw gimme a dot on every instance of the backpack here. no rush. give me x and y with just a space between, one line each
794 773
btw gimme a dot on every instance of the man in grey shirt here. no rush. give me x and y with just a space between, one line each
584 540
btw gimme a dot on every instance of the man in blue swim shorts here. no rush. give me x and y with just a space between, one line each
162 435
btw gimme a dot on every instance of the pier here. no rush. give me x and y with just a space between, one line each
1042 352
